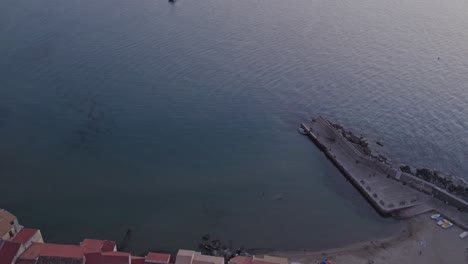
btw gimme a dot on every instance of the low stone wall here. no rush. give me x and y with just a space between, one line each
450 199
416 183
431 189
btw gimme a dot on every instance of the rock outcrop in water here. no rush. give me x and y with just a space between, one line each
216 248
453 185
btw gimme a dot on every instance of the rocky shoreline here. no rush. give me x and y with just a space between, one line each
454 185
215 247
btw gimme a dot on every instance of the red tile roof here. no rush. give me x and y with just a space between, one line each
108 246
241 260
33 251
157 258
58 260
108 258
262 262
8 251
24 235
95 245
115 253
52 250
138 260
25 261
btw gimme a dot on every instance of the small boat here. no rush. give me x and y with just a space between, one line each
447 224
302 131
441 222
435 216
463 235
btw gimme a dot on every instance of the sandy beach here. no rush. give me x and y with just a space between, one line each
420 241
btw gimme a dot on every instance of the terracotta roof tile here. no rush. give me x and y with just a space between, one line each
108 258
58 260
8 251
157 258
52 250
241 260
25 261
24 235
138 260
33 251
108 246
95 245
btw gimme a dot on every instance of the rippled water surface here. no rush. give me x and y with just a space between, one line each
179 120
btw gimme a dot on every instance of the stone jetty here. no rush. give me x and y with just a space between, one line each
392 191
370 176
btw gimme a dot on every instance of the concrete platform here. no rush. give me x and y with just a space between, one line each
372 178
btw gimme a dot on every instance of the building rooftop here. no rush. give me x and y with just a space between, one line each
4 227
138 260
25 261
187 253
58 260
24 235
108 246
7 216
95 245
52 250
199 259
157 258
6 219
192 257
115 253
269 260
241 260
8 251
108 258
184 256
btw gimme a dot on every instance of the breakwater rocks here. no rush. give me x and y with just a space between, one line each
449 183
452 184
361 143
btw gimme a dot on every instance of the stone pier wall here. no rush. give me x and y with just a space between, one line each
366 174
431 189
331 141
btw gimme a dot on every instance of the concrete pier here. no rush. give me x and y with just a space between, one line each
390 191
373 179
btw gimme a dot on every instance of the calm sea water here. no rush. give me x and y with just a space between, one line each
180 120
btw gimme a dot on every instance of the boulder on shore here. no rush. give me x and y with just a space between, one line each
408 169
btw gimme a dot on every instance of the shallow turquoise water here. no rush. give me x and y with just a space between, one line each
180 120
